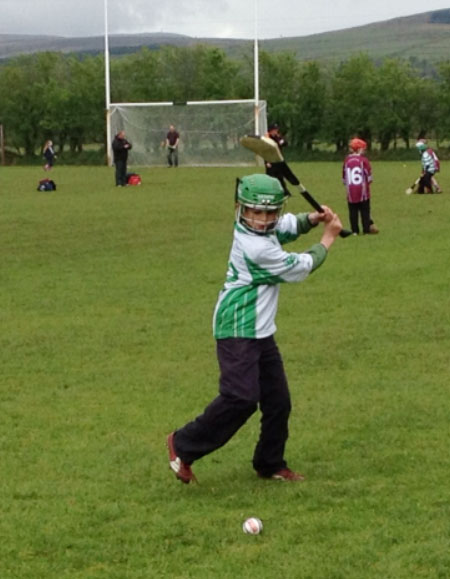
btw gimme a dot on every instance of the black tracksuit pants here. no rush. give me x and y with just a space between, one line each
121 171
251 374
357 209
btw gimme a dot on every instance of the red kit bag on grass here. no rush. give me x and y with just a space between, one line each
134 179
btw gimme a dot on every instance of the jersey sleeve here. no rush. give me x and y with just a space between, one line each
344 171
291 226
268 263
368 170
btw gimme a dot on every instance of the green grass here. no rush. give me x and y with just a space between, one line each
107 297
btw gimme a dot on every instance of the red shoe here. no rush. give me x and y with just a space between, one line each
182 470
285 474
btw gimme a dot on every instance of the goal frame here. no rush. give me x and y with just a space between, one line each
108 105
259 117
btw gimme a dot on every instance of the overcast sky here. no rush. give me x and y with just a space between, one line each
201 18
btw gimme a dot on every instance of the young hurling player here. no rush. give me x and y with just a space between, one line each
251 368
357 177
427 181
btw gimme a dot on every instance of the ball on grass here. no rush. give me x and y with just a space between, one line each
408 191
252 526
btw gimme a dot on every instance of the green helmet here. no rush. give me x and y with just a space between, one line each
421 146
259 193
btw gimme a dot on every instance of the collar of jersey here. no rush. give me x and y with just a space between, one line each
242 229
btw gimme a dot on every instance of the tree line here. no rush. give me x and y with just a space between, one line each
51 95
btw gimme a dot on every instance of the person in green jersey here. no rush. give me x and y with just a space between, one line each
251 367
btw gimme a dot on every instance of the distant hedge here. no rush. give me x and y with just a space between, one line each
49 95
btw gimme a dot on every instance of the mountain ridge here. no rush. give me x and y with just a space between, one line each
423 36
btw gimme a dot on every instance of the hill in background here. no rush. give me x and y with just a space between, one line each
422 37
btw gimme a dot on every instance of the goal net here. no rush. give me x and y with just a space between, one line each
209 131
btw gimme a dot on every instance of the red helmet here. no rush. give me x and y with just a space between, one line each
356 144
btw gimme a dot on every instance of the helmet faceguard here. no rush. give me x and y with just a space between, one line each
421 145
260 202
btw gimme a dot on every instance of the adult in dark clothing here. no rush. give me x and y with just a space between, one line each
274 133
172 140
120 147
279 170
49 155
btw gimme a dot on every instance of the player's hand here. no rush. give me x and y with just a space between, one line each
331 231
317 217
334 225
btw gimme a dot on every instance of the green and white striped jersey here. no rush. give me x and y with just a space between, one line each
428 164
247 304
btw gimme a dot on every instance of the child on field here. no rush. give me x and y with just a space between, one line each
357 177
251 367
49 155
430 166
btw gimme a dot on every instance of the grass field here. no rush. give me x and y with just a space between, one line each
107 296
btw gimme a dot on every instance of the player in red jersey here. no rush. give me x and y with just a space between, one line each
357 177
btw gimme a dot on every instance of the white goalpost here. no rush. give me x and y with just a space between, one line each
107 87
209 130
